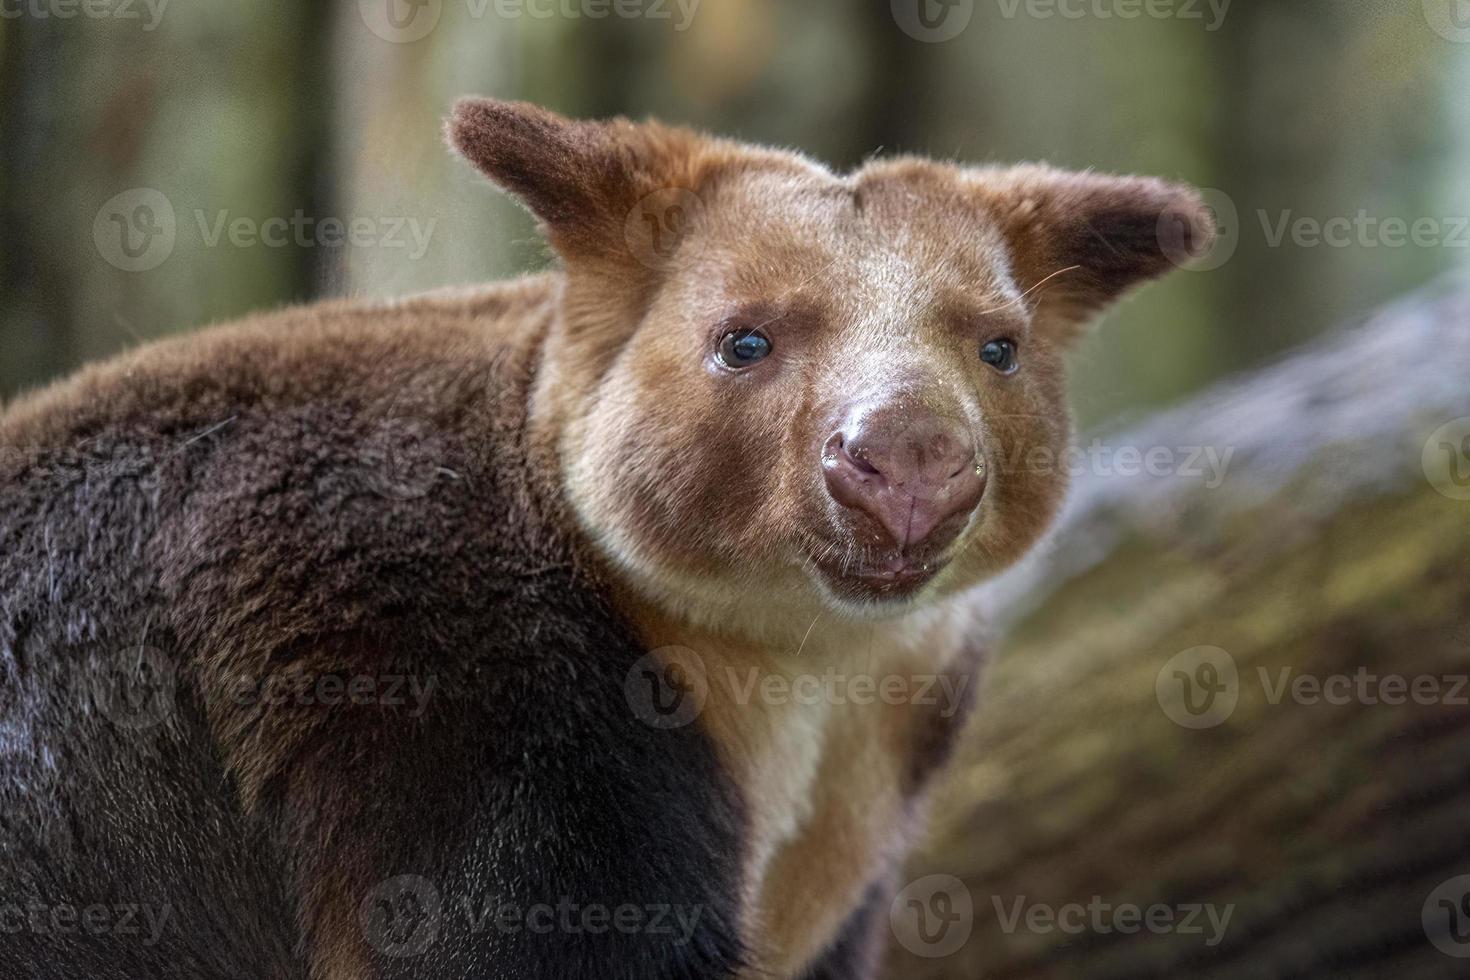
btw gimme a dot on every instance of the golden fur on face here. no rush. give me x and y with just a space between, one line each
703 485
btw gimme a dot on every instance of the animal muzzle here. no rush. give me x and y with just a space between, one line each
911 475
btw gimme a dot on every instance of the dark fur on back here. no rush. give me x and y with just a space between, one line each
315 498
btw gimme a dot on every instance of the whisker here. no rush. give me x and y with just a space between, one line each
1043 282
808 634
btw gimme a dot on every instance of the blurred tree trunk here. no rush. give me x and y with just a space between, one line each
1338 545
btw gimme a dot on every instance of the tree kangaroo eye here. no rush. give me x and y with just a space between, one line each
742 348
1000 354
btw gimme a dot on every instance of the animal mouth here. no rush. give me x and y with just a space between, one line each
878 577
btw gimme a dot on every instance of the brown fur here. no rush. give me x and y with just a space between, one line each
691 493
701 489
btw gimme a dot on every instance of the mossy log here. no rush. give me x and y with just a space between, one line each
1323 798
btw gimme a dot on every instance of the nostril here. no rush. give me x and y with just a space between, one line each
839 449
971 466
859 457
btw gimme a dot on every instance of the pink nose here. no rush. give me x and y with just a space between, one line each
917 476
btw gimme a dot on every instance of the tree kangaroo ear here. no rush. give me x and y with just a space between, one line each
1081 240
582 179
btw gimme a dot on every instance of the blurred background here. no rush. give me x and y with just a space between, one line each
170 163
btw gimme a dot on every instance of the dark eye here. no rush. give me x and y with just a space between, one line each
742 348
1000 354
